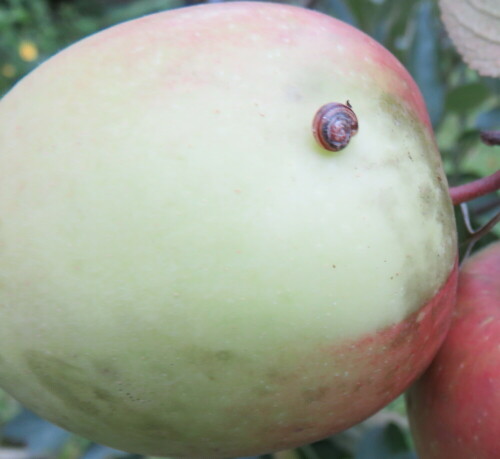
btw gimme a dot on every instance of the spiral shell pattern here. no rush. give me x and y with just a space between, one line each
333 126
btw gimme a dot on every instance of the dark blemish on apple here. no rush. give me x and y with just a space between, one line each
75 388
263 391
224 356
426 196
200 355
103 394
357 387
411 328
65 381
411 124
316 394
133 398
278 377
211 363
301 428
104 368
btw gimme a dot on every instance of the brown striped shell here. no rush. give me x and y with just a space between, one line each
334 124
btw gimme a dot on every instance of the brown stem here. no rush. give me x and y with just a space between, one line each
472 190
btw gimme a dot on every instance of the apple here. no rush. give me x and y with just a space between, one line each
184 269
454 408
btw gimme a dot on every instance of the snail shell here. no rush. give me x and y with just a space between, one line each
334 124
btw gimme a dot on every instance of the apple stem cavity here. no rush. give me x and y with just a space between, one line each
485 185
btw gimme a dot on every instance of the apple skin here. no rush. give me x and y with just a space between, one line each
454 408
184 271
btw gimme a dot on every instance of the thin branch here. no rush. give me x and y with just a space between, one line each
472 190
475 235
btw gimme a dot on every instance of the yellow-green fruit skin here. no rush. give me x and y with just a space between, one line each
184 271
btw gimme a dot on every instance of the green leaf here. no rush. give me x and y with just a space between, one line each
363 11
481 161
424 63
466 98
474 28
395 438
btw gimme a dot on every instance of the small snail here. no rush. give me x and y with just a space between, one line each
334 124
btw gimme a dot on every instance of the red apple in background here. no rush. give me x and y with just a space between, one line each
184 270
454 408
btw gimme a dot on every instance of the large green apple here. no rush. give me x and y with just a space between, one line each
184 270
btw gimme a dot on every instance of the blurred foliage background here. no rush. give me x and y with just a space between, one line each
460 103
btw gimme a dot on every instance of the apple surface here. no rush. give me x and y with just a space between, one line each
454 408
184 270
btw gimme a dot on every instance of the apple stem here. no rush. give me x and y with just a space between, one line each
475 189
